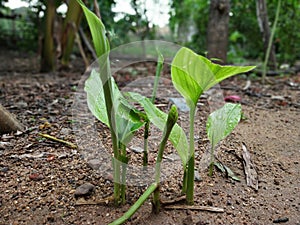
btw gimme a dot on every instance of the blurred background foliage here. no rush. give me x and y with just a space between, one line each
21 28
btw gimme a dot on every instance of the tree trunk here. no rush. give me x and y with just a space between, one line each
70 29
263 23
48 57
217 32
8 123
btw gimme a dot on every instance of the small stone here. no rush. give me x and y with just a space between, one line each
136 149
276 181
281 220
94 163
180 103
197 176
84 190
4 169
187 220
65 131
36 176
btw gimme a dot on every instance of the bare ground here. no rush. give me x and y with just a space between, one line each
39 176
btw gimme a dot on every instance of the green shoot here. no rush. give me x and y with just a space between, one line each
219 125
171 121
154 187
160 62
127 122
159 119
102 47
193 74
159 66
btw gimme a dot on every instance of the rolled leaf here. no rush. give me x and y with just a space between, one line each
159 118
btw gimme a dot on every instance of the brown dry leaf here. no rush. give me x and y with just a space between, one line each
251 174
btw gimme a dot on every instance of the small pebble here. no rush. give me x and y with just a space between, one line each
94 163
36 176
276 181
84 190
281 220
4 169
197 176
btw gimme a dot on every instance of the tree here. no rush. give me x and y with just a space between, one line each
48 56
263 23
70 28
217 31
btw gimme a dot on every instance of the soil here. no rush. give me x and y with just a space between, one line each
39 176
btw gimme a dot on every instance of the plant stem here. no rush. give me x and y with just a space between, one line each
184 183
160 62
191 162
146 135
124 167
172 118
136 205
270 43
106 79
212 161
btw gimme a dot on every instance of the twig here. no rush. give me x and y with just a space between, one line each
87 43
172 201
83 55
96 202
71 145
247 85
196 207
97 10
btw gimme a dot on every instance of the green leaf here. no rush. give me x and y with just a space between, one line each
159 119
97 30
128 119
186 86
202 73
221 122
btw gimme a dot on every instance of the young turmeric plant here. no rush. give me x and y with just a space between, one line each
220 124
154 187
193 74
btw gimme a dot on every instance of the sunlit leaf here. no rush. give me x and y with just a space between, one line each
159 119
186 85
221 122
127 119
192 74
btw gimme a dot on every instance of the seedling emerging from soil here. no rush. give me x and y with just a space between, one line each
117 121
128 120
193 74
160 62
154 187
219 125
